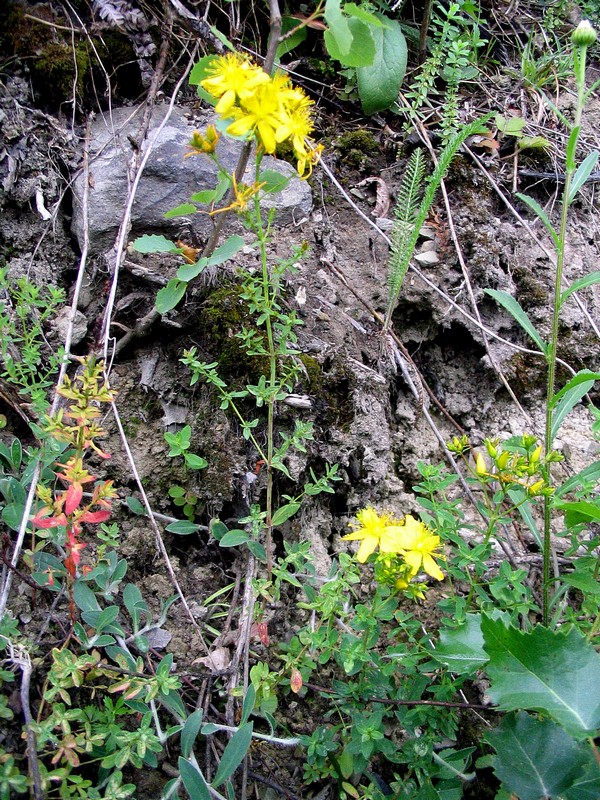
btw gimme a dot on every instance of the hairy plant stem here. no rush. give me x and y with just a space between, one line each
551 356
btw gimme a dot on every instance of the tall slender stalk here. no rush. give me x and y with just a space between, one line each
582 38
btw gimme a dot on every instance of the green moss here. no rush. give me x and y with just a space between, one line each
356 147
224 314
330 390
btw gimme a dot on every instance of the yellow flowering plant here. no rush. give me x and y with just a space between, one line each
408 538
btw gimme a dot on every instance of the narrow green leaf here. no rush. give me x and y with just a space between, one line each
461 649
193 780
554 672
579 511
155 244
539 212
226 251
571 147
248 704
580 283
521 500
588 477
257 549
190 732
234 753
217 528
234 538
84 597
583 172
513 307
535 758
170 295
187 272
284 513
183 527
183 210
222 38
567 398
380 81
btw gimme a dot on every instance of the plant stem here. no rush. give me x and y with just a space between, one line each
570 166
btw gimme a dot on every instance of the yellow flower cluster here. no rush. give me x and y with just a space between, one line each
269 108
408 537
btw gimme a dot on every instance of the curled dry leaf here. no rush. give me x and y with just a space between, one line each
295 681
218 660
382 195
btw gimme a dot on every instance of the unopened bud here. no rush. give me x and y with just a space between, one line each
584 35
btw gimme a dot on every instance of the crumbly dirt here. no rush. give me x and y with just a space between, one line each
365 417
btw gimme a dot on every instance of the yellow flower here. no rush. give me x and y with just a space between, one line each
419 547
375 531
258 114
232 77
242 193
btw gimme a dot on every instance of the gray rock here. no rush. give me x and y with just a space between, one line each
167 181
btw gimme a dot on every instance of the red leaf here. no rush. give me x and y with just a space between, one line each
73 497
296 681
94 516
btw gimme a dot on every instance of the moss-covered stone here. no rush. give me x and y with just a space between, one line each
356 147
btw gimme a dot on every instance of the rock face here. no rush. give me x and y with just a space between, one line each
167 181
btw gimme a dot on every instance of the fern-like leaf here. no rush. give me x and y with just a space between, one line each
400 262
407 206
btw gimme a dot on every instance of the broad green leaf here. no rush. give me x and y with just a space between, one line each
183 527
183 210
510 126
217 529
234 538
348 40
380 81
567 398
376 20
288 24
190 732
554 672
273 181
193 780
134 505
187 272
535 758
579 511
168 297
586 787
583 172
155 244
539 212
580 283
206 196
461 649
508 302
258 550
195 462
234 753
84 597
226 251
284 513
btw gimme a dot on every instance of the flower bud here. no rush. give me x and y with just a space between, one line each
584 35
480 465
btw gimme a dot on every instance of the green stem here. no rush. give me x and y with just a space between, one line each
580 57
268 299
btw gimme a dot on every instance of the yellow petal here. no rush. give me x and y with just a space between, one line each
431 568
367 547
414 559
